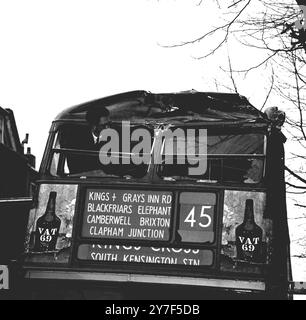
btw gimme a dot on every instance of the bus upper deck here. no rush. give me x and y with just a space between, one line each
231 134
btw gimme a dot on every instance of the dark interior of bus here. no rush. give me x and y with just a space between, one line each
231 157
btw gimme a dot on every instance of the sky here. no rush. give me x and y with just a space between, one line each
56 54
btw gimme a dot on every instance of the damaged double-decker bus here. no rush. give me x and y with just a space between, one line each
17 182
182 195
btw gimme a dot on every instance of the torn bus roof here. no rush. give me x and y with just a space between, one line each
183 107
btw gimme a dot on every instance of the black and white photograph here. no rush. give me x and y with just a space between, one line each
153 153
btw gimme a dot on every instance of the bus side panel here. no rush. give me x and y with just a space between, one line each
14 174
14 186
233 216
13 224
38 235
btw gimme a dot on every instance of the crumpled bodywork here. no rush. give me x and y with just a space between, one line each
175 108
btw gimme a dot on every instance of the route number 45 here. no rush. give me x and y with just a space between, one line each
204 217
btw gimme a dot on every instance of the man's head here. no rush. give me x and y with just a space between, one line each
97 119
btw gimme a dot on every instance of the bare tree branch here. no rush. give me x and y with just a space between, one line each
291 192
295 175
231 73
235 3
300 205
225 27
294 186
274 30
258 65
270 90
298 98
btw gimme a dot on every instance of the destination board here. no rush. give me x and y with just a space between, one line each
127 214
151 255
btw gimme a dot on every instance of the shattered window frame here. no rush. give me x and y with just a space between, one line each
58 165
257 166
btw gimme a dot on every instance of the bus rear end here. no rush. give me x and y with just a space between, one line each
154 229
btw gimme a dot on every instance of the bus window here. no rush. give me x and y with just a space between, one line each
75 154
232 158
